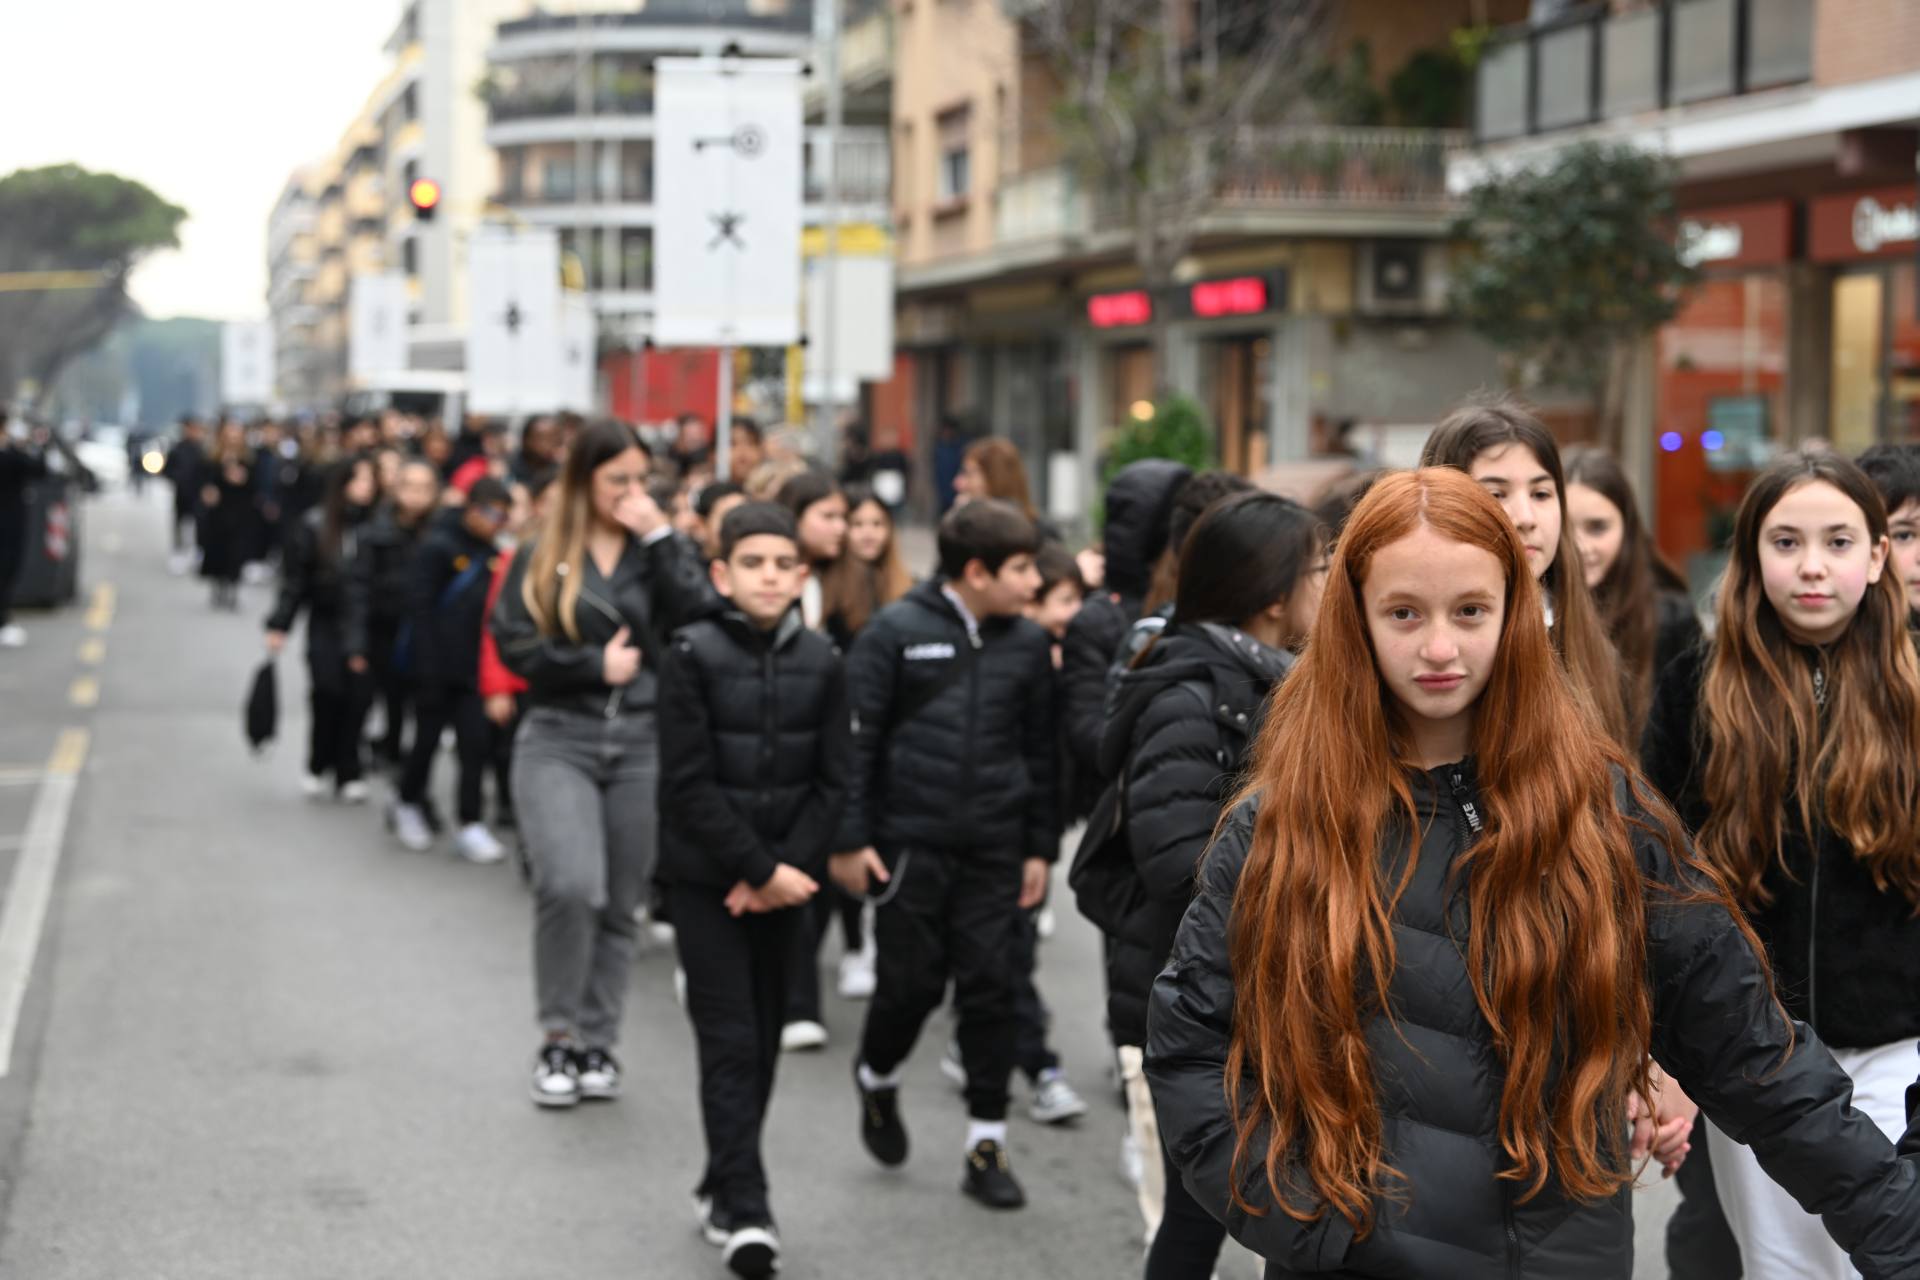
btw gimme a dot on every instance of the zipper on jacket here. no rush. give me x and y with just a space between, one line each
1813 936
1464 798
973 710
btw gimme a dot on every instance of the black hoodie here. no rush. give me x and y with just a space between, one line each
447 598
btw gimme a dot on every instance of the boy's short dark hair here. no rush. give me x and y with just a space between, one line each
541 481
489 491
710 497
1056 567
1192 499
750 429
987 530
1895 472
755 520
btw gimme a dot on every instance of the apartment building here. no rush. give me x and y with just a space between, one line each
1793 124
1314 292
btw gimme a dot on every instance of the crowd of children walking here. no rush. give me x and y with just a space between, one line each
1449 870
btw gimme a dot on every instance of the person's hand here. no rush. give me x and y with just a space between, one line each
637 510
788 886
210 496
276 641
1665 1132
620 661
1034 873
357 664
741 899
856 871
500 708
1093 568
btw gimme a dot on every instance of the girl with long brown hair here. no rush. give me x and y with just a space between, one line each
1792 746
1439 934
1642 598
1506 448
871 575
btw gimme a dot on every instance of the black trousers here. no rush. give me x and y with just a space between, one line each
1030 1015
948 913
803 998
1187 1245
338 707
185 525
13 555
473 734
1700 1244
391 687
736 998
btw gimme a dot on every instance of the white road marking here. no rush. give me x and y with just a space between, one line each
31 892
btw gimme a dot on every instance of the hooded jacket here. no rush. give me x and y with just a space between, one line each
452 575
1438 1083
315 583
1139 505
754 743
1846 954
656 587
946 756
1182 726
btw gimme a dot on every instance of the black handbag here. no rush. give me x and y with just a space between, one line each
262 710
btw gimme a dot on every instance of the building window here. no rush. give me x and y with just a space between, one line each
636 258
955 178
556 181
410 256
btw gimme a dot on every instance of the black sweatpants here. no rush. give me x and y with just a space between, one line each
473 734
1700 1244
948 913
803 994
333 738
1032 1020
13 555
736 998
391 687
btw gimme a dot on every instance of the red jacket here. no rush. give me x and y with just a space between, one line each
494 677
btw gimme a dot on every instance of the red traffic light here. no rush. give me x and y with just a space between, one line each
425 195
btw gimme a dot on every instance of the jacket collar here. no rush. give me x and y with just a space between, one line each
784 632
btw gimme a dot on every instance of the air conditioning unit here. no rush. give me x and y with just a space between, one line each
1401 278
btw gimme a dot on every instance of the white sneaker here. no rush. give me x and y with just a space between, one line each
477 844
354 792
797 1037
313 786
857 978
953 1066
1054 1100
13 636
410 827
556 1077
1044 924
752 1252
179 562
680 986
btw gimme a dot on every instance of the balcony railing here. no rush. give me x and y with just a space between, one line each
1593 65
798 19
866 168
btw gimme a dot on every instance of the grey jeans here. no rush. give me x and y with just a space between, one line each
584 789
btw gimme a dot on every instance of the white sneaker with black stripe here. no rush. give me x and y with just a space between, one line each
556 1076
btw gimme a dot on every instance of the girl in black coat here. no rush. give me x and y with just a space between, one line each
1791 745
227 514
1251 574
313 578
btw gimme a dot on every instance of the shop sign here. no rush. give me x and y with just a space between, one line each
1737 235
1865 224
1240 296
1120 310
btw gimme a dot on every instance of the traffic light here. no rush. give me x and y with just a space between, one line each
425 196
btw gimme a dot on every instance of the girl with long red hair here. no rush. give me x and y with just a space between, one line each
1437 938
1791 744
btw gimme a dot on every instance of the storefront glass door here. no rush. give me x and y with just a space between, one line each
1859 301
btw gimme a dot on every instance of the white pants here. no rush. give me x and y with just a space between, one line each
1778 1239
1146 1137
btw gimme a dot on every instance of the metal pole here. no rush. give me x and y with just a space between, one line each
723 419
826 442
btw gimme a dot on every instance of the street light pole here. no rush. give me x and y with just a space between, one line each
825 442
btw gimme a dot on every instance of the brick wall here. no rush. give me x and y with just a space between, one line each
1857 40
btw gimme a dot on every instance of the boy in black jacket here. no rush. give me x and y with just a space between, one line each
951 810
447 605
754 743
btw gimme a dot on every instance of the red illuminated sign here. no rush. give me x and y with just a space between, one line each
1241 296
1119 310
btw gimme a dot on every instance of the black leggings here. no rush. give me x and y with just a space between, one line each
1187 1246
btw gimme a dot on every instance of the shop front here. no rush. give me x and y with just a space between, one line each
1869 239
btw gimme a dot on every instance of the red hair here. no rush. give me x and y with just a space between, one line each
1557 949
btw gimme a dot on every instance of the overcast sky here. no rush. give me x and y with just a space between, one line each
209 102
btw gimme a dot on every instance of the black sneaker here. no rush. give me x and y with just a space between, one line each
989 1180
556 1077
599 1073
880 1128
752 1250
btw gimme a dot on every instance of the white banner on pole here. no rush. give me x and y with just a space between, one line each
513 328
579 351
863 327
246 363
727 179
376 326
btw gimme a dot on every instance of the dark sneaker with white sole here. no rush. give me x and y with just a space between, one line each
556 1076
881 1131
599 1075
989 1180
752 1250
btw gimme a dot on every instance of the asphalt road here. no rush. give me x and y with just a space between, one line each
258 1040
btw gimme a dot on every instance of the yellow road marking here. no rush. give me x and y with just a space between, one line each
92 650
68 753
85 692
100 615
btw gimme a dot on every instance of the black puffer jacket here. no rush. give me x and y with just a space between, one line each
1181 728
961 762
1139 503
1846 955
377 580
452 571
316 584
1714 1030
656 588
754 745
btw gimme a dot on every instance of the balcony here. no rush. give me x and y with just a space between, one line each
865 167
1593 65
1041 205
664 26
